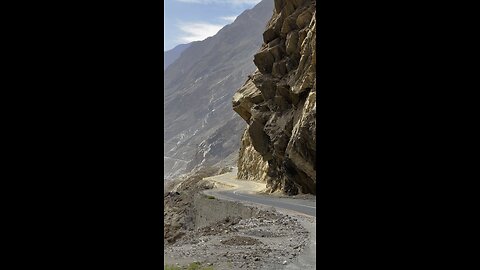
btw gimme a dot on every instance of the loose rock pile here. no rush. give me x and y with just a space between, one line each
267 241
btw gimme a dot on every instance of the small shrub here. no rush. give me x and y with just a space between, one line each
210 197
171 267
194 266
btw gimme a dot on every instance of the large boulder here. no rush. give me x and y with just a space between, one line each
264 61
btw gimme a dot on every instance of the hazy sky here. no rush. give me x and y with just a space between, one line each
191 20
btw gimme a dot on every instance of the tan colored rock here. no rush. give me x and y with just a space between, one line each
306 71
264 61
277 52
302 145
269 35
279 69
282 126
292 42
250 163
279 5
304 19
245 98
288 26
275 42
282 103
298 3
292 62
277 22
266 84
288 8
302 34
259 139
284 91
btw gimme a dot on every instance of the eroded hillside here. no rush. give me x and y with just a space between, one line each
200 129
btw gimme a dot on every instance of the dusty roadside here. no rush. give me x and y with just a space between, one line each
231 235
307 258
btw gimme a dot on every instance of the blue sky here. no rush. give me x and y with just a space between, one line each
191 20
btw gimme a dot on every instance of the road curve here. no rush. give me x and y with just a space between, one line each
302 206
230 188
239 190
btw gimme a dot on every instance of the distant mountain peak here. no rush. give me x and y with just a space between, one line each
200 128
171 55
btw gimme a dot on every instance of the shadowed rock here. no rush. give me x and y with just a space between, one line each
282 126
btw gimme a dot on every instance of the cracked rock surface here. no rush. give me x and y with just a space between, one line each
278 103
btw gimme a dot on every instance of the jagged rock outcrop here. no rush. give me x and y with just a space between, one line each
278 102
251 165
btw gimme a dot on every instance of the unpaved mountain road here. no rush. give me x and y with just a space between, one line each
247 192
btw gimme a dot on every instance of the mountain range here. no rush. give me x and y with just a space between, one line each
200 127
171 55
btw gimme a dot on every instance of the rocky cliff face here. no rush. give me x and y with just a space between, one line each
278 102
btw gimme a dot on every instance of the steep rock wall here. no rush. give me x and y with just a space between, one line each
250 163
278 102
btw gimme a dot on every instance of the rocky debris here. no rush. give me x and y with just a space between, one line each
241 241
223 227
178 213
250 238
264 241
278 103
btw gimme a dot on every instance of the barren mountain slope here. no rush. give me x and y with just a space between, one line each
171 55
200 128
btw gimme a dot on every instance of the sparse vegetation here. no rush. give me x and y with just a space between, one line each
210 197
194 266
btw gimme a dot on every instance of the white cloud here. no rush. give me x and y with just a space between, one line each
195 31
234 2
229 18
